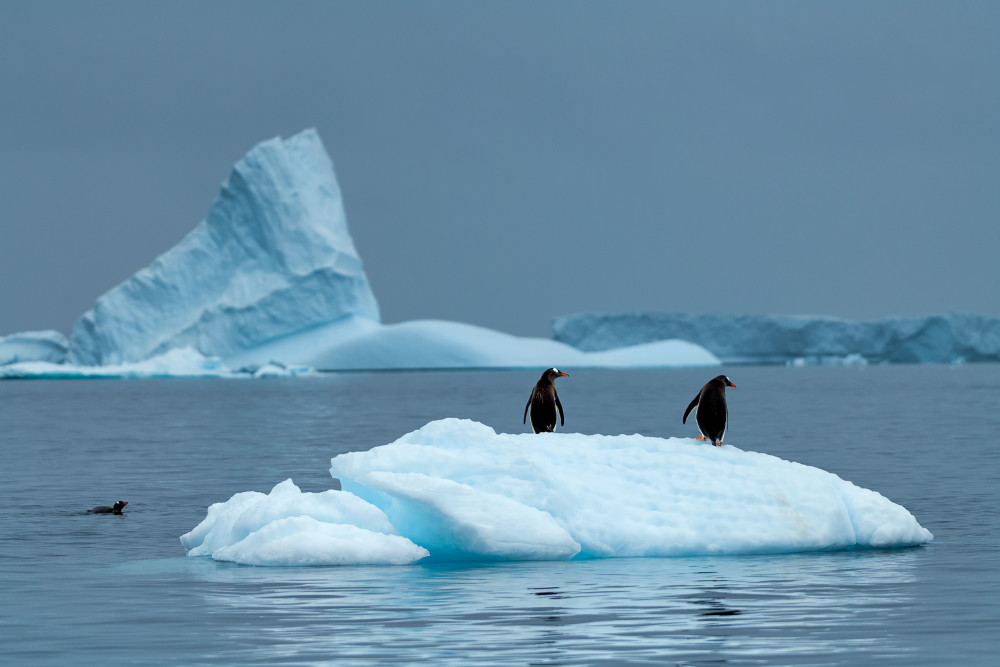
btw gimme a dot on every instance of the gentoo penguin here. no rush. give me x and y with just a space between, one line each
712 415
544 403
104 509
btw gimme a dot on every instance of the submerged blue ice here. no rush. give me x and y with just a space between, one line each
457 490
799 338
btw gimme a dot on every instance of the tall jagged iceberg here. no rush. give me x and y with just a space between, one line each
272 274
272 258
782 339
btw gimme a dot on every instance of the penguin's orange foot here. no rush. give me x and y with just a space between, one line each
717 444
701 437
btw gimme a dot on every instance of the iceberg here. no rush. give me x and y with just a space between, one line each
457 490
427 344
271 279
29 346
798 340
272 258
288 527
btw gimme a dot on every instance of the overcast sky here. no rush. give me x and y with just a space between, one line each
506 162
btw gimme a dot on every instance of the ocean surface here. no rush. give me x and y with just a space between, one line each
92 589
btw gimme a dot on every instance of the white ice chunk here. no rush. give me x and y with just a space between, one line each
289 527
632 495
302 540
457 490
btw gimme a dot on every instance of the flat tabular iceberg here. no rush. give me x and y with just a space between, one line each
457 490
794 338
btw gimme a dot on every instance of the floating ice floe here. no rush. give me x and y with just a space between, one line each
457 490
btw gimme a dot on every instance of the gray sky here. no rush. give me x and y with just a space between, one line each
506 162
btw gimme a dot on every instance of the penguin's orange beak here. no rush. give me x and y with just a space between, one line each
731 385
563 375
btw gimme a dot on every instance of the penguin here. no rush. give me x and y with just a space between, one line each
712 415
544 403
104 509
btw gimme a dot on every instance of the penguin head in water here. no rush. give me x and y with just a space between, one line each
104 509
554 373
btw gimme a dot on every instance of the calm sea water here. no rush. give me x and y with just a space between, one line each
86 589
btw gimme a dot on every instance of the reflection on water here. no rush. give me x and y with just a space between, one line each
768 608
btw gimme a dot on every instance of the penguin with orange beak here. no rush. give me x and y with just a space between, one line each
544 403
712 415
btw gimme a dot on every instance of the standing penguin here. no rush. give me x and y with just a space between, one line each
544 403
712 415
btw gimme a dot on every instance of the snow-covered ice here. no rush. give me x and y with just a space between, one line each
289 527
457 490
47 346
799 339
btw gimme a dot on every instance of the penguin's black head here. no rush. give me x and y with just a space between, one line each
554 373
120 504
726 382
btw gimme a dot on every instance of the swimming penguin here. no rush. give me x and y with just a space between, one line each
712 415
104 509
544 403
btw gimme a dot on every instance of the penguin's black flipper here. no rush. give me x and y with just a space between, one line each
691 407
562 417
525 420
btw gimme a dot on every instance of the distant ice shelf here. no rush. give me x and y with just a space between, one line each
794 339
457 490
